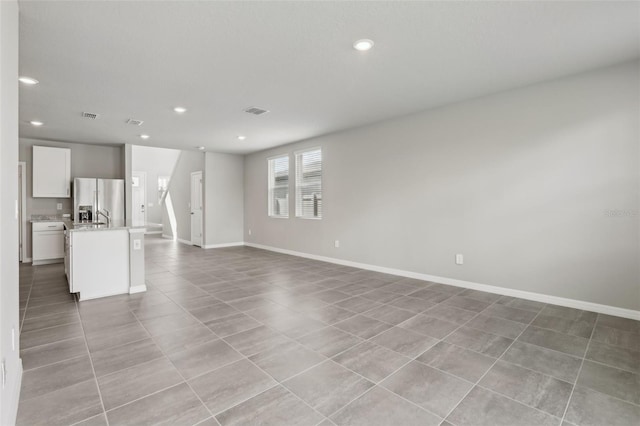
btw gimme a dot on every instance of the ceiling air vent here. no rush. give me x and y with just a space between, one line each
135 122
256 111
90 115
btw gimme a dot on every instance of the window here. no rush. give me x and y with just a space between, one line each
309 184
279 186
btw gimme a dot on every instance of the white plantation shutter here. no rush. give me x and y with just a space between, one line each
279 186
309 184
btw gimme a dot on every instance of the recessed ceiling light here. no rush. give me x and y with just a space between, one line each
28 80
36 123
144 136
201 148
363 45
180 109
241 137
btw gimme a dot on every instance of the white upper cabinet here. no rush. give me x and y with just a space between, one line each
51 172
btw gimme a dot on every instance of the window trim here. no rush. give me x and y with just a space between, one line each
274 157
295 179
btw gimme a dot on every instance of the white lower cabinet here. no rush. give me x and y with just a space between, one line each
47 242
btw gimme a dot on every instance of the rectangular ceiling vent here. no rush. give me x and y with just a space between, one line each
135 122
90 115
256 111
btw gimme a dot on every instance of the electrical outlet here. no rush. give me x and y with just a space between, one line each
59 206
137 244
337 244
459 259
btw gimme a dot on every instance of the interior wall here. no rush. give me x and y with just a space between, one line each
155 162
87 160
9 351
180 192
537 187
224 199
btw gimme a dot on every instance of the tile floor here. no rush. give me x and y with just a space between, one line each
241 336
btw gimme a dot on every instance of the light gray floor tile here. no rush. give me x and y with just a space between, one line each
53 352
546 361
63 406
328 387
430 295
429 388
581 326
404 341
166 324
485 408
173 406
232 324
380 407
136 382
50 321
389 314
256 340
177 341
331 296
227 386
413 304
115 336
118 358
429 326
590 408
481 295
458 361
479 341
499 326
330 314
571 345
276 406
615 336
330 341
450 313
52 377
29 339
612 381
619 323
527 305
200 359
615 356
467 303
533 389
357 304
363 326
286 360
371 361
510 313
99 420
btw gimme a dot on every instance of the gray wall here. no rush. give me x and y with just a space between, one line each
224 199
180 191
86 161
155 162
8 222
519 182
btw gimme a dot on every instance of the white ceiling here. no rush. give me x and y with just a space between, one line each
139 59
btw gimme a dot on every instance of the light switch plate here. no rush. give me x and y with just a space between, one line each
137 245
59 206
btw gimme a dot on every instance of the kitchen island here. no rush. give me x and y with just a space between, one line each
104 259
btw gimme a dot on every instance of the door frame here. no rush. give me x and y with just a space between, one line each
199 172
22 210
144 196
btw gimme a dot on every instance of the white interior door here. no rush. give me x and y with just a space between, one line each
139 198
196 208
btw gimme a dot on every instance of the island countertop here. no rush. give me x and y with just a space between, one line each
86 227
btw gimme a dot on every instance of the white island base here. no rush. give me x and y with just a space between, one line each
100 263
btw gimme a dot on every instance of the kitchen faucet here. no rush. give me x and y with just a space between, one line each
106 214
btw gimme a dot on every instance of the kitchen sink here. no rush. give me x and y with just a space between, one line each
88 223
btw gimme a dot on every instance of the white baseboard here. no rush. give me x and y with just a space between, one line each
137 289
12 410
155 233
168 237
210 246
47 262
27 260
538 297
180 240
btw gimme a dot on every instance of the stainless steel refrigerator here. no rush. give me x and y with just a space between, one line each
91 195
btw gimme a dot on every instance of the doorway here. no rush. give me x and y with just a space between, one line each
139 198
196 208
